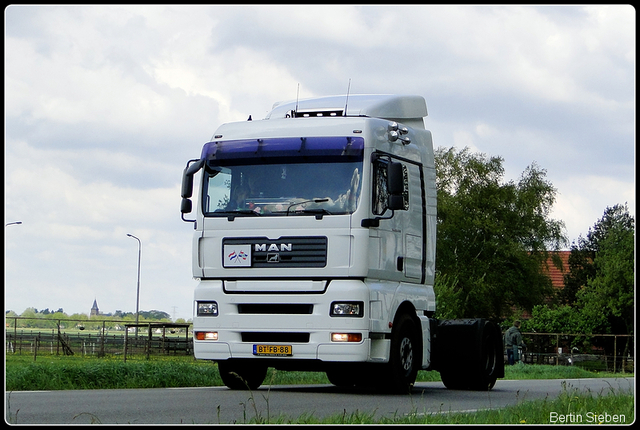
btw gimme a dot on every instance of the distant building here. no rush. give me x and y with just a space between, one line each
94 310
556 274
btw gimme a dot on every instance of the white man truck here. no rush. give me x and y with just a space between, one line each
315 247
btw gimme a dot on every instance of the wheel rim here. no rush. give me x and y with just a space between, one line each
406 354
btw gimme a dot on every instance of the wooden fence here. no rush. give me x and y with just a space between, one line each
606 352
601 352
129 340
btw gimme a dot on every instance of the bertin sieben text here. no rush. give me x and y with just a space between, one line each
587 418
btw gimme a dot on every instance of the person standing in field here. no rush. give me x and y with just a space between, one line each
513 340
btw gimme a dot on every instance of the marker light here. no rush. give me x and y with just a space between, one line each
346 337
206 335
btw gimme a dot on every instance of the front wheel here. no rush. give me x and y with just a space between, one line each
239 376
344 377
404 358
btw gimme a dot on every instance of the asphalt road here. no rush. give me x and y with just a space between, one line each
219 405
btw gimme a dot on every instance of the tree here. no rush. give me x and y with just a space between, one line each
493 236
609 289
599 289
583 252
563 319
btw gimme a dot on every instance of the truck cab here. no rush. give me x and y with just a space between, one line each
314 244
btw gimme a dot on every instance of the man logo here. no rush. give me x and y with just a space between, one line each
262 247
273 258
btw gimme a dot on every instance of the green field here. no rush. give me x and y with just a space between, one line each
73 373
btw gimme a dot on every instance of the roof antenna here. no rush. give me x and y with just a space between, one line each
347 99
297 98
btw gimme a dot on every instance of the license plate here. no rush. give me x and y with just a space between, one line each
273 350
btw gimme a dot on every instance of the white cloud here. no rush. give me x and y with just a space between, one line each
105 104
582 200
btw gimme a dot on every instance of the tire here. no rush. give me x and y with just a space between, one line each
481 373
487 366
404 358
238 376
341 377
452 381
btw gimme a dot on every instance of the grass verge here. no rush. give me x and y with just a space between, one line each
82 373
65 373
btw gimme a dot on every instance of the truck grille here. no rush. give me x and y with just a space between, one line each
285 251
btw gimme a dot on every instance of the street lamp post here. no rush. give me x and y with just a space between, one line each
138 288
13 223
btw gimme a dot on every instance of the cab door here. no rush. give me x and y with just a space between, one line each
397 243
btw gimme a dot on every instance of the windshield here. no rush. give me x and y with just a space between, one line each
282 176
282 189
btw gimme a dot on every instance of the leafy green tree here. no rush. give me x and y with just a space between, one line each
599 289
584 250
493 236
610 290
154 315
564 319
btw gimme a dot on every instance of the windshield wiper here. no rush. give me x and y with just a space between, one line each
319 212
308 201
232 214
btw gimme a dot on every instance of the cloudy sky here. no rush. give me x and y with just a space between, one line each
104 106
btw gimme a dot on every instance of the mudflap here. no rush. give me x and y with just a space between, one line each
468 353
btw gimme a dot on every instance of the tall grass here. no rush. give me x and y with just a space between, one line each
88 372
81 373
584 407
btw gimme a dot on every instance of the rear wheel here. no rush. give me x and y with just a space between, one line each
239 376
481 372
487 370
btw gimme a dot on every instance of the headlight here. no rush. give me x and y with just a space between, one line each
207 309
347 309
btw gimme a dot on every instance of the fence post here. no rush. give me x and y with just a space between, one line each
35 349
57 339
126 338
15 335
615 351
149 342
104 333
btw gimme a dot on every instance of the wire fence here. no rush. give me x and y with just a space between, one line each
96 338
598 352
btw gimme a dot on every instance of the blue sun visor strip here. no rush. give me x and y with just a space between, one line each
271 150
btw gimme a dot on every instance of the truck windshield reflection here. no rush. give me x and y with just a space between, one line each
326 188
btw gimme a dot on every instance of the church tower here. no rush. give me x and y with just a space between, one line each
94 310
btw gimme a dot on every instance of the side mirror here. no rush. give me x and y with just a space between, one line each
186 206
395 179
187 177
395 202
395 186
395 191
187 186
